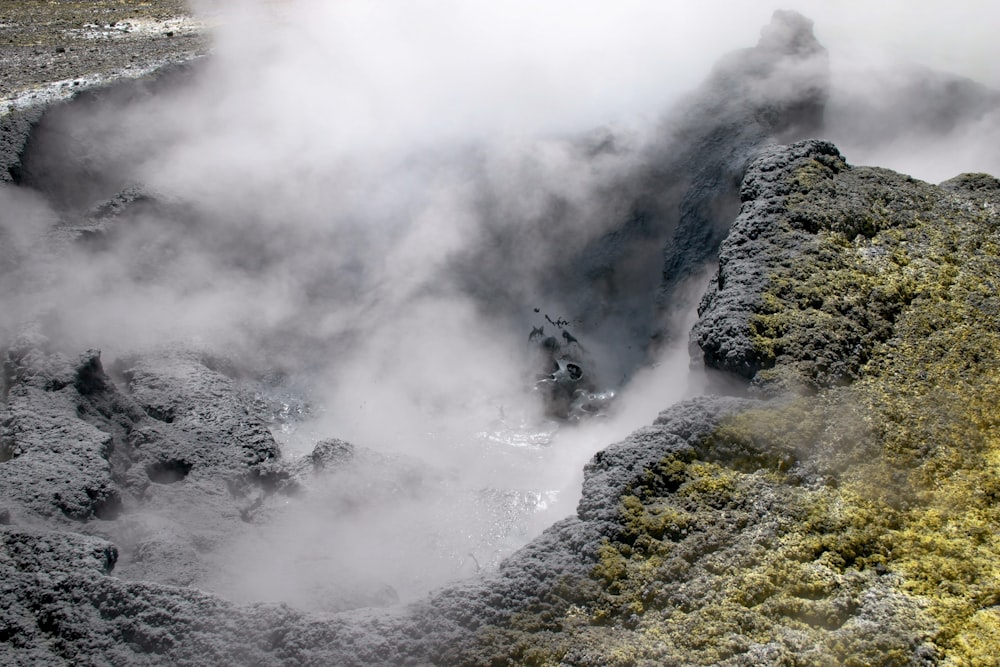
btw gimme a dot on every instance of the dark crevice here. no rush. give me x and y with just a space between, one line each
168 472
163 414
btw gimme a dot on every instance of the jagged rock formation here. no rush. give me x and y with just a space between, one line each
665 210
821 263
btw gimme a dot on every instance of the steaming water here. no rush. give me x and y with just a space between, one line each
419 507
297 152
415 523
391 526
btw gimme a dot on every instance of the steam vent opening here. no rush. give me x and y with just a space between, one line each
497 334
168 472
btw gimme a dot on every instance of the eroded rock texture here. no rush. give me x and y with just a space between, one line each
823 260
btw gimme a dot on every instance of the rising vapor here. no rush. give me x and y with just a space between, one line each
368 208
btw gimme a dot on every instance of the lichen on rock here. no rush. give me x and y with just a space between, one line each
878 281
848 519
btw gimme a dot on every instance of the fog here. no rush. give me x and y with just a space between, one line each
310 202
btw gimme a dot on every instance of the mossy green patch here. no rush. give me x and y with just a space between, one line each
725 557
858 523
924 271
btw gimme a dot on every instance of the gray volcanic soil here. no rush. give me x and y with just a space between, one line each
50 51
66 45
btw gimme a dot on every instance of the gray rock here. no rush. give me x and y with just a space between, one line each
676 431
100 618
760 238
972 183
617 263
28 550
15 128
200 425
764 319
331 454
56 463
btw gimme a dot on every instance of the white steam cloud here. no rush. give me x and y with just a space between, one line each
311 185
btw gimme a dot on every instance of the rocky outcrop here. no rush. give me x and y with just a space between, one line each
615 263
760 239
77 448
822 261
56 464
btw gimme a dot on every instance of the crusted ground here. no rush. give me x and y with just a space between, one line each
63 45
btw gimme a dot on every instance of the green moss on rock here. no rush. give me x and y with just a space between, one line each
855 520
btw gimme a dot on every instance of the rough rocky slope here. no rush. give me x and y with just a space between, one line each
847 525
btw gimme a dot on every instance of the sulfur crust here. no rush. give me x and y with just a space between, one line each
853 521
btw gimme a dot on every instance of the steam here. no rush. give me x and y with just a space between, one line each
317 198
